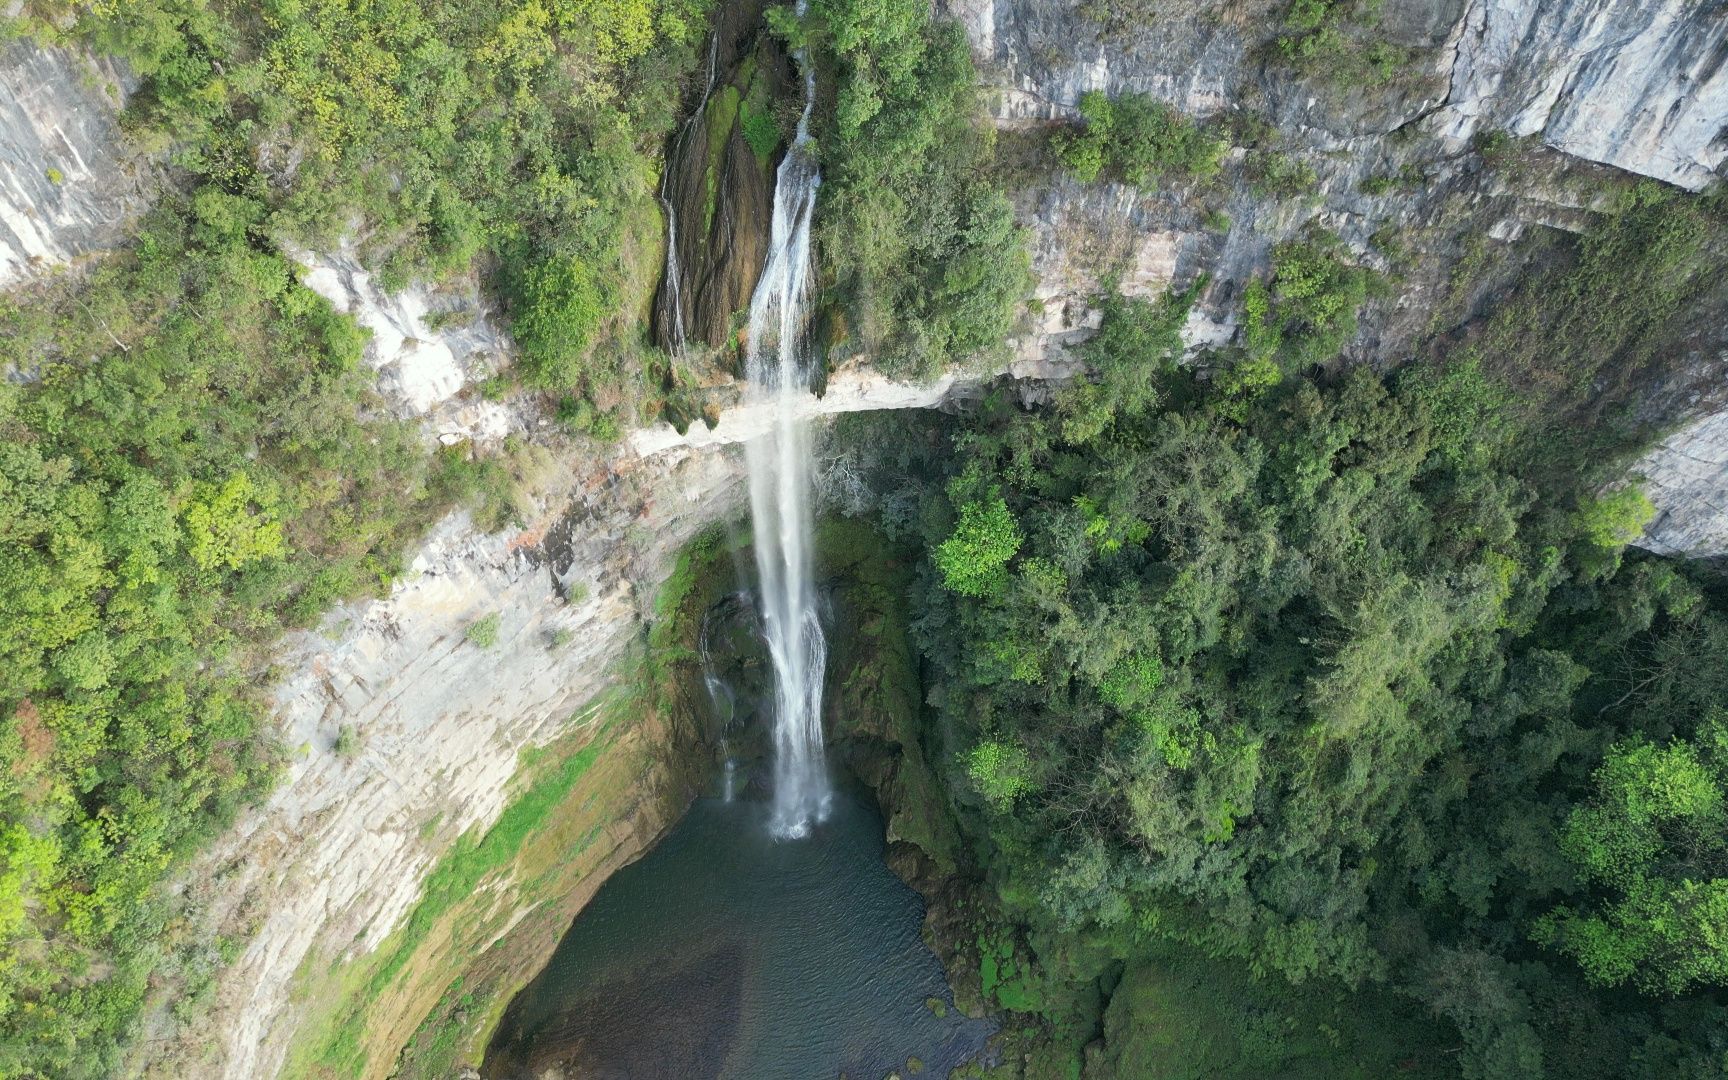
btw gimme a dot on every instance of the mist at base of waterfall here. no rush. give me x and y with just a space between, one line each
725 955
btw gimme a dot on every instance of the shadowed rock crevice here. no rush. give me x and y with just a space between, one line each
719 183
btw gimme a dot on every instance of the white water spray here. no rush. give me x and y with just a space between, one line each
777 364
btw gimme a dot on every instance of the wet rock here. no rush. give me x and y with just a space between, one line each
718 191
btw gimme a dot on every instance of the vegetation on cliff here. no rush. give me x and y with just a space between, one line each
1137 138
518 139
1344 674
926 260
194 455
194 467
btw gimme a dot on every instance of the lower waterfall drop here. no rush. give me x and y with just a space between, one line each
777 363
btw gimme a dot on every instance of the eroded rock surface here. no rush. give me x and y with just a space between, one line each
333 861
426 346
68 185
1686 478
1638 84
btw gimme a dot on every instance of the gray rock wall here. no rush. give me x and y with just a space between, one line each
68 184
334 860
1686 478
1635 85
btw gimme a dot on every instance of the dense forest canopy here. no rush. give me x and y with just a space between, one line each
1347 674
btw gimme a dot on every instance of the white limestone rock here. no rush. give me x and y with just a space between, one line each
1686 478
423 356
68 185
1637 84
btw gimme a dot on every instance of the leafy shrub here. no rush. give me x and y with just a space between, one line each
1309 311
1332 39
761 130
231 524
1000 772
557 313
1137 138
483 632
1606 523
974 558
1137 344
1281 176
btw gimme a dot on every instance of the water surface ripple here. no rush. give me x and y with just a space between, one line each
726 954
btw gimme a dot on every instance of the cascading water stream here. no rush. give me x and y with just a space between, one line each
777 364
674 274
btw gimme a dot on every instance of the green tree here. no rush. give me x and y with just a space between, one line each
1655 838
1137 138
1083 151
558 314
231 524
1000 772
1610 521
974 559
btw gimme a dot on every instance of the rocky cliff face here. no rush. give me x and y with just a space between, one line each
68 183
332 863
1636 85
718 186
1687 478
426 347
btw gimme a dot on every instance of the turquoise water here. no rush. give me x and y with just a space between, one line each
726 954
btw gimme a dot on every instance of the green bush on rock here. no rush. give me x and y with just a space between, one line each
927 263
1137 138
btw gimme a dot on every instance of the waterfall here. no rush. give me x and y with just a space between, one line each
673 274
777 362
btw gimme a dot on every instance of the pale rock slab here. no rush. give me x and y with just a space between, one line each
422 368
1638 84
334 859
68 186
1686 477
